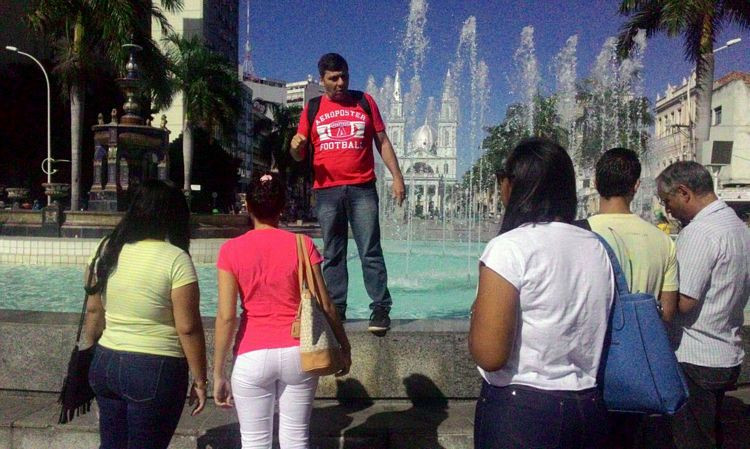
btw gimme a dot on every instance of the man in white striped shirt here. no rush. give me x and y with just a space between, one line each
713 254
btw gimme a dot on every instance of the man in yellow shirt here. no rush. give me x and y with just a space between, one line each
646 254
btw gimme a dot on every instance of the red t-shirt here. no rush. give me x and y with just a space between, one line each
264 262
342 137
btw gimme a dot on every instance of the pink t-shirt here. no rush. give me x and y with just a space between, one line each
342 137
264 262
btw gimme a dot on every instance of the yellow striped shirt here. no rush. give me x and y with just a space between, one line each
137 300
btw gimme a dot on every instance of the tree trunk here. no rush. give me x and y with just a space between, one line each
704 85
704 70
77 93
76 133
187 153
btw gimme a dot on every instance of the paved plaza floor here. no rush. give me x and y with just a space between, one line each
28 422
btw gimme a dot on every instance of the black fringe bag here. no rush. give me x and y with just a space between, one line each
76 395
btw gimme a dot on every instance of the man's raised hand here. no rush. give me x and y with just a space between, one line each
297 145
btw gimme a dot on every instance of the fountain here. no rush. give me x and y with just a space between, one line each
128 150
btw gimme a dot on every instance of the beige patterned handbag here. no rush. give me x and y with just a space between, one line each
320 352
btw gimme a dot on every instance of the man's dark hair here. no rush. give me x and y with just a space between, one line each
544 184
332 62
617 172
691 174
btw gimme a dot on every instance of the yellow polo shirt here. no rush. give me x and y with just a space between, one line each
137 300
646 254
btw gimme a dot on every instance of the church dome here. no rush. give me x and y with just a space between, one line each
423 140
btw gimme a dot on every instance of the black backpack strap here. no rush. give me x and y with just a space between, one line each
359 96
313 106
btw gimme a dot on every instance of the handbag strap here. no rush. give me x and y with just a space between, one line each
304 271
311 284
300 271
621 283
85 293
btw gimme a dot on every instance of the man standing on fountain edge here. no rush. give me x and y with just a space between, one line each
340 127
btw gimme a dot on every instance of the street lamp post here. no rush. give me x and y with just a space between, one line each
49 121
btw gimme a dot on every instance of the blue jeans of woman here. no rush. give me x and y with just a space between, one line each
140 397
521 417
337 207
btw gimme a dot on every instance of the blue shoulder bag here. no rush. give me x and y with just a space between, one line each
639 371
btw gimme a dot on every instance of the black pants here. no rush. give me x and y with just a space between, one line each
698 424
520 417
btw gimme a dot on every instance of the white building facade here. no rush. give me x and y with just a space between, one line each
300 92
726 153
427 158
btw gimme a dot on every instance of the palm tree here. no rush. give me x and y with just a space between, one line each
211 92
699 22
88 35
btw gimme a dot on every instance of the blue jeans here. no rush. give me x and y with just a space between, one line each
140 397
698 423
337 207
520 417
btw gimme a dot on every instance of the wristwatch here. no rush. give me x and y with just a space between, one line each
200 384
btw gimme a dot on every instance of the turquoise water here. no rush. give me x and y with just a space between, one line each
426 280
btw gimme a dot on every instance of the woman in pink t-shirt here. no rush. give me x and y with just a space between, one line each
261 268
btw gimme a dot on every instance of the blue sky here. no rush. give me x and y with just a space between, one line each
288 36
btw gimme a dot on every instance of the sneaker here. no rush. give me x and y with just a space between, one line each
379 321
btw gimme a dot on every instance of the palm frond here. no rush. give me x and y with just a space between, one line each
738 12
648 17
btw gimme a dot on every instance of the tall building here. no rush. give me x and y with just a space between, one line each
244 140
726 153
428 159
268 94
300 92
216 23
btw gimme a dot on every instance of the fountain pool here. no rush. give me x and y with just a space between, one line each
426 280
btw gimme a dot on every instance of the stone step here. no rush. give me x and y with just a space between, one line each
28 422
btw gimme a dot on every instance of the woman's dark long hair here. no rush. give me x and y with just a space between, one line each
157 211
266 195
543 184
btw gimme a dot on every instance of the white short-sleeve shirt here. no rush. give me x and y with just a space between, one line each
566 286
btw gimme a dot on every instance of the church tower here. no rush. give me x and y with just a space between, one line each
397 122
447 126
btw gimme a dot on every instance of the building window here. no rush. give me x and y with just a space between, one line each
717 116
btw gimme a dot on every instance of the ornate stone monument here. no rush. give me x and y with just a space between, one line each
128 150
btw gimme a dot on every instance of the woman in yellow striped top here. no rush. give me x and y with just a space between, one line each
143 313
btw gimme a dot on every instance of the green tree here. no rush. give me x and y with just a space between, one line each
283 128
216 171
501 138
210 89
88 35
609 118
699 22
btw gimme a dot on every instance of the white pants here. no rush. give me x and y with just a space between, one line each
259 379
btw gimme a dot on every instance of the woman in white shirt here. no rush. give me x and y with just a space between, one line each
541 312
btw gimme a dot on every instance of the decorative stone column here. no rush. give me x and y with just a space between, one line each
124 174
